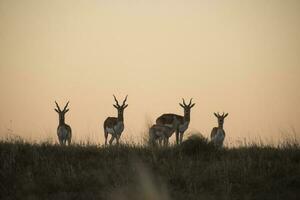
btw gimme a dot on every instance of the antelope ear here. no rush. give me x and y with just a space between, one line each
125 106
115 106
181 105
226 115
56 110
192 105
66 110
216 115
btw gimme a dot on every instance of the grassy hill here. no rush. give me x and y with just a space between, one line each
193 170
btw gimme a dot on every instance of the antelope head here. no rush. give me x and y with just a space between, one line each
119 107
61 113
187 107
221 118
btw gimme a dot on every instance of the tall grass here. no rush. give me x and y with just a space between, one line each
193 170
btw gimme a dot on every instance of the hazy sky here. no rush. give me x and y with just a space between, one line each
240 57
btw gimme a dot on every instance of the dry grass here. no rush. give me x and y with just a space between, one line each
193 170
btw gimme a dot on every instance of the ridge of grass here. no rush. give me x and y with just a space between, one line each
193 170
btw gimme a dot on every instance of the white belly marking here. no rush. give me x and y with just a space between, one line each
117 129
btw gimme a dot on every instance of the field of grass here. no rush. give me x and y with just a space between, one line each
193 170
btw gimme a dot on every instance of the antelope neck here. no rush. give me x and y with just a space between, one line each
187 116
61 121
120 117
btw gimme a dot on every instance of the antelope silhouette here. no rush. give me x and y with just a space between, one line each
64 131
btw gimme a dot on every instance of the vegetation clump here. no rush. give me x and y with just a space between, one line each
197 144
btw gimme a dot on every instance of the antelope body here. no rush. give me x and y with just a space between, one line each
115 125
184 121
162 133
217 135
64 131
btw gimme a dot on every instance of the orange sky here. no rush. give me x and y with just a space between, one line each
241 57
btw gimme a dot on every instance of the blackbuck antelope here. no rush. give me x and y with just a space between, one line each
64 131
162 133
115 125
184 121
217 135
